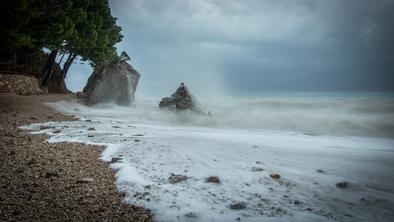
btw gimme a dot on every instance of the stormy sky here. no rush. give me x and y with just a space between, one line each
256 45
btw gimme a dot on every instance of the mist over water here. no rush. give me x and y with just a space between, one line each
335 114
347 136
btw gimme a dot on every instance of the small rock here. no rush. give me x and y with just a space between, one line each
213 179
296 202
115 159
258 162
176 178
238 206
191 215
57 131
136 140
51 173
91 129
88 120
138 135
90 135
85 180
319 171
274 176
343 184
31 162
117 127
20 170
257 169
34 118
44 127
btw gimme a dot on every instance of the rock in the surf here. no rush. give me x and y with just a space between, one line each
181 99
111 82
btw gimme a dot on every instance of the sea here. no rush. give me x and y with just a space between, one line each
333 151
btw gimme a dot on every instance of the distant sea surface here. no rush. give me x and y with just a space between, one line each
312 140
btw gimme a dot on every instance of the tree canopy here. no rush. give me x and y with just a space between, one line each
83 28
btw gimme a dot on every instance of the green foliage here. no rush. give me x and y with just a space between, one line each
124 56
84 28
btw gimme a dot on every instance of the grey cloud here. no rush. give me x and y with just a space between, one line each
260 44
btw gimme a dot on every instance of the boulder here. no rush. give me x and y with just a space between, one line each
111 82
181 99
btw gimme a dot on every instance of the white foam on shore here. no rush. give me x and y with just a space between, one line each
152 149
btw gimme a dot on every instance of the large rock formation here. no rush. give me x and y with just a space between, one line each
112 82
181 99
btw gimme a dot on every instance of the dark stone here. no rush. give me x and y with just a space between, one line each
57 131
115 159
111 82
342 184
51 173
274 176
174 178
213 179
91 129
181 99
191 215
44 127
238 206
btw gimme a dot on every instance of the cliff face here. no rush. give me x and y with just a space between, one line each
112 82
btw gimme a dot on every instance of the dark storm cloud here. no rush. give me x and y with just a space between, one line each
260 45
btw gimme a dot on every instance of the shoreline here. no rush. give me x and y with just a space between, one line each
43 181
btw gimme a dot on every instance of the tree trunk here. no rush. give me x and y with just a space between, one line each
46 73
67 65
14 61
61 59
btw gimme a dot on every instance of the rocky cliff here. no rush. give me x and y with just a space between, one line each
181 99
112 82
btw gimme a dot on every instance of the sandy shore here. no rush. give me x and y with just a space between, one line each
40 181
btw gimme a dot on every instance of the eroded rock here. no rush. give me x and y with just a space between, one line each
111 82
181 99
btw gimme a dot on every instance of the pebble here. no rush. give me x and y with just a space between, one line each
274 176
51 173
175 178
342 185
238 206
213 179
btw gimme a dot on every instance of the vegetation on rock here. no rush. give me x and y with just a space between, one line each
66 28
